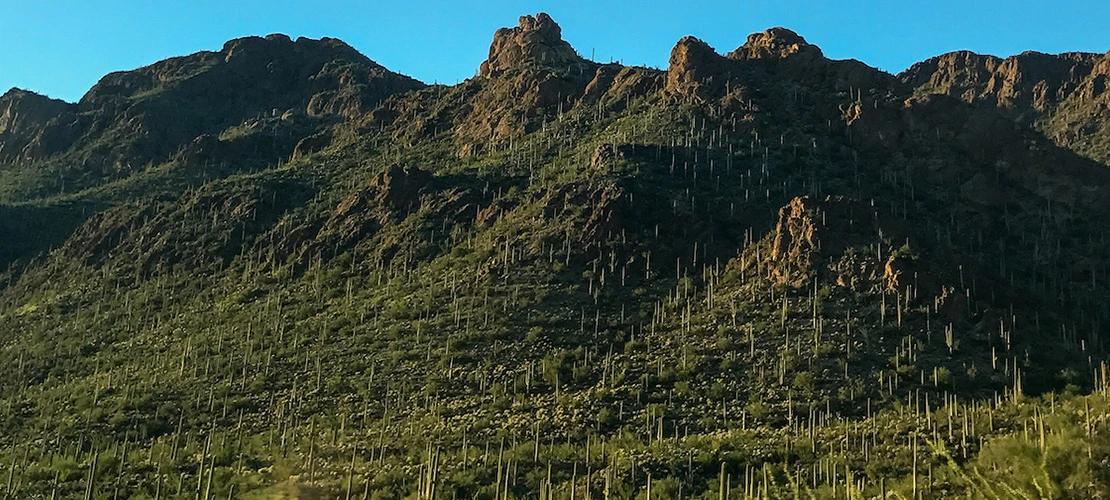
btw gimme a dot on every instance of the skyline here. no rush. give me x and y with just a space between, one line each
445 42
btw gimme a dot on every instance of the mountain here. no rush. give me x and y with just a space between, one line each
282 271
1064 96
235 104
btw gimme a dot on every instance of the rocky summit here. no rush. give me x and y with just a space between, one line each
536 41
281 270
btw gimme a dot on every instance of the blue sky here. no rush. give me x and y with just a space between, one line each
61 48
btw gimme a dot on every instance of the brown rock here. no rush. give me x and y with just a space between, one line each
1027 81
26 122
603 81
814 238
961 74
536 41
693 66
22 110
394 192
776 43
799 236
1062 95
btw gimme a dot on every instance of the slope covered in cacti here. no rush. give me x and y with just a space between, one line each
760 274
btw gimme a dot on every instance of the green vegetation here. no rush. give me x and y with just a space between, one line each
608 303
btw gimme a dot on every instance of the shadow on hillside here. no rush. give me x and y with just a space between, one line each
29 231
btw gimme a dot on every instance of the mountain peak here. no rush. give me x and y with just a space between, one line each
775 43
691 61
22 112
534 41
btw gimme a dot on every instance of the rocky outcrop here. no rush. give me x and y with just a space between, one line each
532 74
601 209
23 111
532 77
775 57
839 240
512 105
809 235
1063 95
694 67
26 122
534 42
1028 81
398 188
776 43
962 74
851 244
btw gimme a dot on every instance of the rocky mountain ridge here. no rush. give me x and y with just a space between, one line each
1063 95
327 78
133 119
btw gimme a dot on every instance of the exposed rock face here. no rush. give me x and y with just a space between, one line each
513 104
693 66
960 74
1063 95
776 43
850 244
399 186
698 74
532 74
24 116
839 240
390 197
22 110
603 209
1028 80
811 234
536 41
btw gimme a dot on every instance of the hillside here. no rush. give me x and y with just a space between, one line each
281 270
1063 96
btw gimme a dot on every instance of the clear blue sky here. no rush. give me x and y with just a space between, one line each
61 48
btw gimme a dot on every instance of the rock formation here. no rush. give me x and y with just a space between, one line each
776 43
535 41
693 67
